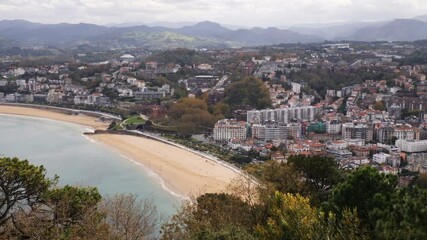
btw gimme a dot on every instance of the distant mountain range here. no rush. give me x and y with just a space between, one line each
397 30
202 35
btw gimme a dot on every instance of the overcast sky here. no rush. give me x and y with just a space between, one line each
235 12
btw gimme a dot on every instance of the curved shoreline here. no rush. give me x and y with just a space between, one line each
184 171
80 119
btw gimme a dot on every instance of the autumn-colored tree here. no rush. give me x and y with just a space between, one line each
275 176
68 212
130 218
210 215
248 91
69 204
290 217
190 116
421 181
221 110
380 106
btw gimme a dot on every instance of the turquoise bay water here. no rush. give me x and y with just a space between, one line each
63 150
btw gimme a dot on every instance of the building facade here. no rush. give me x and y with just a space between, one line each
411 146
283 115
357 131
228 129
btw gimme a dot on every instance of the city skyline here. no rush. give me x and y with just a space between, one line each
269 13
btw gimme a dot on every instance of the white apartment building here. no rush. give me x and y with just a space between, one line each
296 87
276 131
227 129
404 132
380 158
337 145
411 146
268 132
282 115
333 127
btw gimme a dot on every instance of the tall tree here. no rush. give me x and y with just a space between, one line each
366 190
210 215
190 116
292 217
130 218
69 204
248 91
320 174
280 177
22 185
405 217
64 213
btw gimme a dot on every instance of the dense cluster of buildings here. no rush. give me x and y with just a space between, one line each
378 122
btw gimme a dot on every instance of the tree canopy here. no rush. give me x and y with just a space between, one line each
22 184
320 173
33 207
282 203
249 91
190 115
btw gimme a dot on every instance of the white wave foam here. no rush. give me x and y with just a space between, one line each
91 130
90 139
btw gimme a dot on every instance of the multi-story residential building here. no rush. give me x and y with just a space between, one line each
247 68
268 131
361 151
409 103
394 111
380 158
404 132
294 130
283 115
384 134
357 131
411 146
275 131
394 160
333 126
337 145
227 129
296 87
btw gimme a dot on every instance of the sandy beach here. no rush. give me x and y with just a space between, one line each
183 172
34 112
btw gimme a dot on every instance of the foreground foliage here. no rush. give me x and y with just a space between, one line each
306 198
33 207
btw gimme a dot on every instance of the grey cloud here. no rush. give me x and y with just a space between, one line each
239 12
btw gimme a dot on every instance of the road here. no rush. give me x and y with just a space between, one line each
220 82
